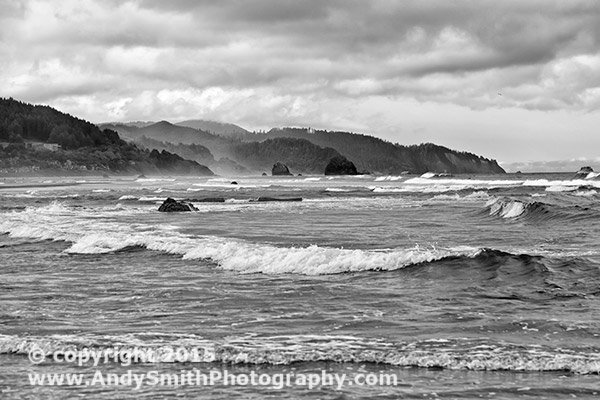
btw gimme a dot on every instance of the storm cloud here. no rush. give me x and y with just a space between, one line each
338 64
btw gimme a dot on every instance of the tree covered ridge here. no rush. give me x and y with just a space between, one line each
305 150
380 156
83 146
299 155
21 121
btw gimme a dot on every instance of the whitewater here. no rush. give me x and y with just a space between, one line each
463 287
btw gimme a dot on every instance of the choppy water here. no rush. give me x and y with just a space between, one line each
466 287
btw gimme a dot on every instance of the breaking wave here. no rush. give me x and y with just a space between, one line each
536 211
453 354
59 223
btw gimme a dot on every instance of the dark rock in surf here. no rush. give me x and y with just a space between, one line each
264 174
583 172
280 169
234 183
265 198
340 165
172 205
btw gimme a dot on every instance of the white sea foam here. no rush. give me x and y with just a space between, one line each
387 178
390 189
566 183
58 222
333 189
585 193
478 195
128 197
447 197
472 197
151 199
592 175
453 354
141 180
425 184
463 182
561 188
227 185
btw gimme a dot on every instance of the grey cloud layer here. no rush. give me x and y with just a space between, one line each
539 54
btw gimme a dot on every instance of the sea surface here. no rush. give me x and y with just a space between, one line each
461 287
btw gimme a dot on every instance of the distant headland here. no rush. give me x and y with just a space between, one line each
39 139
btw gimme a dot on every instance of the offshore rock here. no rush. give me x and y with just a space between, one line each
340 165
583 172
206 200
280 169
172 205
266 198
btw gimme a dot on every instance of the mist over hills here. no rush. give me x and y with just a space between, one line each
218 128
230 154
305 149
40 137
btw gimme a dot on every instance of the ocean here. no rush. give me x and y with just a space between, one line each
405 286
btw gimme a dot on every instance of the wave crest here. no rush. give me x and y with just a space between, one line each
453 354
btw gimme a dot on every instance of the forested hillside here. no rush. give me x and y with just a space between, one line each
37 138
299 155
370 154
379 156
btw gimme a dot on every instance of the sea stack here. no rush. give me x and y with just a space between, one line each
340 165
583 172
280 169
172 205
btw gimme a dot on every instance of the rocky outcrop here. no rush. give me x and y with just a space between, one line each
280 169
583 172
172 205
173 162
340 165
266 198
206 200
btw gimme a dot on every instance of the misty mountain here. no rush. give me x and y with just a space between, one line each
229 155
367 152
218 128
196 152
168 132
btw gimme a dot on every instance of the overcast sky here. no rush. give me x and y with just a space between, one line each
512 80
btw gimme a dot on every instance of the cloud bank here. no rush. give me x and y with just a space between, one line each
370 66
